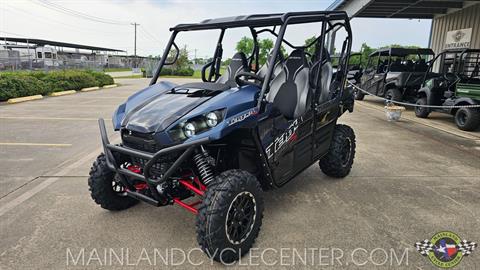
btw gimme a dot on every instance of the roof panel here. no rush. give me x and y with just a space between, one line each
403 51
261 20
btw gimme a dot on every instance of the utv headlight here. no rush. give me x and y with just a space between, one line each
196 125
189 130
212 119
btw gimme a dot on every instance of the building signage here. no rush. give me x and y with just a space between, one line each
457 39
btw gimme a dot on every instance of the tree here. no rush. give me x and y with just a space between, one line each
266 46
182 60
365 50
245 45
308 41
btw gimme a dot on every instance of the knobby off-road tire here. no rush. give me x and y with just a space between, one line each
394 94
339 159
422 112
221 212
102 187
467 119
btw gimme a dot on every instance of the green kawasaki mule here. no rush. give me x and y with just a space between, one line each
457 83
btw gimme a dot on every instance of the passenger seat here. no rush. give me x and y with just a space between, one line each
238 64
262 72
290 90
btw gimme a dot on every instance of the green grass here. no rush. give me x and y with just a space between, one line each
197 74
139 76
116 69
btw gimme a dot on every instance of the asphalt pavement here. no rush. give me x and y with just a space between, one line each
410 179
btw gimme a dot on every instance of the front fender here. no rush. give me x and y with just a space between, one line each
424 91
465 101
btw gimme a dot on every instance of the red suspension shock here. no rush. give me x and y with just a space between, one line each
199 191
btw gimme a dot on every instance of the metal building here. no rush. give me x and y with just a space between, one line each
455 23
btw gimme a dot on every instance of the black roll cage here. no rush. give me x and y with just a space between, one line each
261 21
456 63
397 52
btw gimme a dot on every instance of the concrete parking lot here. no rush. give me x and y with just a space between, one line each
409 180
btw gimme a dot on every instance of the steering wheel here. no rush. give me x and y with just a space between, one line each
449 76
247 76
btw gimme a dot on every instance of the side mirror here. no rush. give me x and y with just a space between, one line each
177 52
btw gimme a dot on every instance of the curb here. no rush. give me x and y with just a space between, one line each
88 89
62 93
23 99
109 86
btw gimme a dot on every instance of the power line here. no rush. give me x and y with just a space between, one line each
83 15
77 14
56 22
152 37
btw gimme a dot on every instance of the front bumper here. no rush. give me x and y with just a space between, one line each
151 158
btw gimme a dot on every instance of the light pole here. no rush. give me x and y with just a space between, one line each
135 45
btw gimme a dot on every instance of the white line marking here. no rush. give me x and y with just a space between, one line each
25 196
36 144
50 118
47 182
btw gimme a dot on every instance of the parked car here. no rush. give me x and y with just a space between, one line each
457 84
234 135
395 73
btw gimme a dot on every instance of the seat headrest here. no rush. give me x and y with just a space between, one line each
278 59
297 54
239 59
296 59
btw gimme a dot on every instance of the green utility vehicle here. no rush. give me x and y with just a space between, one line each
457 84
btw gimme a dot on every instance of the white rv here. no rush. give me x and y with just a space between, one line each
45 55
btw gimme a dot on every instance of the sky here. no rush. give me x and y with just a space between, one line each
111 26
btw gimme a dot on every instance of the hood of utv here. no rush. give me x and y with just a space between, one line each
159 112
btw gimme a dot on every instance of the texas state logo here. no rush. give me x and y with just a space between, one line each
445 249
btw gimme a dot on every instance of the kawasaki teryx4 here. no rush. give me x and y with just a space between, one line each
229 138
395 73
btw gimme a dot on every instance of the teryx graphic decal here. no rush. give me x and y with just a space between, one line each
288 136
240 118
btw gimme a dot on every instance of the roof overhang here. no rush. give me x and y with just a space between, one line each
401 9
43 42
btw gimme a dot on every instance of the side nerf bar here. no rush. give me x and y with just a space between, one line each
109 149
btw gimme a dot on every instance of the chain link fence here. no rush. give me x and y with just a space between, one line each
12 61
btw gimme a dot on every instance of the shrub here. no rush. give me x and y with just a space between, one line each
184 72
101 78
166 71
69 80
20 83
177 72
20 86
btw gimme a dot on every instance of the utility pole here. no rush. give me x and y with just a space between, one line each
135 45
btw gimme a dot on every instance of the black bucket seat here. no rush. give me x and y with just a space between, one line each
262 72
238 64
290 90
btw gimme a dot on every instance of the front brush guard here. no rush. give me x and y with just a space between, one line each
112 164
